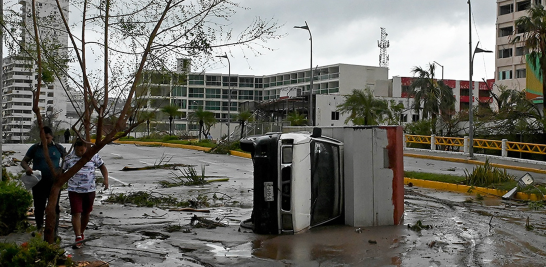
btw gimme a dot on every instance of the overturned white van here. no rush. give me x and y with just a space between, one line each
298 181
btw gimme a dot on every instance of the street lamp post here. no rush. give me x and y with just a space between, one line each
471 85
442 69
229 95
306 27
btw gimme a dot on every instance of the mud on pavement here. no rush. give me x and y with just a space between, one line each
464 231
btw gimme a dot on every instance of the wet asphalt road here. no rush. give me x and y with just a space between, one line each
466 231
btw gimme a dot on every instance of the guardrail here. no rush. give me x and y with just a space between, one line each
503 145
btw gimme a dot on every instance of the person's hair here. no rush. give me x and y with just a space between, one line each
79 142
48 130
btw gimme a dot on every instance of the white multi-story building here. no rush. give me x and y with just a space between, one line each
279 94
510 62
20 78
210 91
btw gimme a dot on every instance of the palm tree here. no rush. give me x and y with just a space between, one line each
242 117
364 108
296 119
204 118
433 97
172 111
534 38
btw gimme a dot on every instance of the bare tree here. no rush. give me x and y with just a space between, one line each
109 48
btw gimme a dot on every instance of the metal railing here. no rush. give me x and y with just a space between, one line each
503 145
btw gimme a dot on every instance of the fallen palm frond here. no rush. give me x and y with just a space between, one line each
188 177
164 166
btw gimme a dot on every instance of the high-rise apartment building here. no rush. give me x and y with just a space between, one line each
20 77
510 61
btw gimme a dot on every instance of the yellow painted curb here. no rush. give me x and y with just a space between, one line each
200 148
477 162
467 189
240 154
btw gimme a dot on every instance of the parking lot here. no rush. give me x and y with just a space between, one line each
464 231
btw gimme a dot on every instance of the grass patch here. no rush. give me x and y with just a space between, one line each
486 175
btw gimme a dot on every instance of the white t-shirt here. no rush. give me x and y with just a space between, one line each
84 180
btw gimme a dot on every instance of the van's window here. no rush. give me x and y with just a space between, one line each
286 154
325 183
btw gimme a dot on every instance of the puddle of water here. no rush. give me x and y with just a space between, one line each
492 202
243 250
147 244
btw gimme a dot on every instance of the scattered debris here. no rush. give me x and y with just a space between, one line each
358 230
528 226
200 222
418 226
190 210
372 241
145 199
431 244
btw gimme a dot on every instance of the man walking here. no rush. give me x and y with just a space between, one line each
40 192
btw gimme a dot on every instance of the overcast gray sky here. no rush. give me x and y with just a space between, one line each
347 31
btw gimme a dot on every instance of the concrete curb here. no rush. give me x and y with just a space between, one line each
200 148
240 154
467 189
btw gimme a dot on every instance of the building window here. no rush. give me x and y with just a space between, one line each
506 9
214 93
520 29
196 93
505 53
246 94
523 5
520 51
506 31
415 117
335 115
212 105
404 117
520 73
505 75
214 81
538 2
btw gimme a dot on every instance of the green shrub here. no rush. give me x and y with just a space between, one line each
5 176
487 175
14 203
36 252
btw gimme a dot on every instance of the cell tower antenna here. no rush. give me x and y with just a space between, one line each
383 45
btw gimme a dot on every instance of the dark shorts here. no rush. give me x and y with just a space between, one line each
81 202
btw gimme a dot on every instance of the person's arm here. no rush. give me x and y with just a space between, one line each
104 173
26 166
